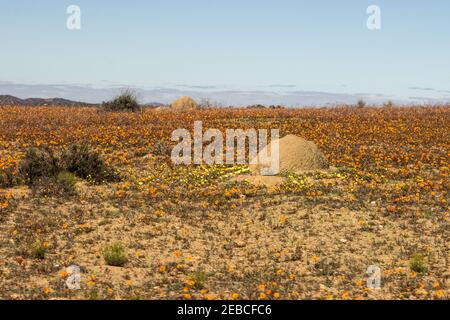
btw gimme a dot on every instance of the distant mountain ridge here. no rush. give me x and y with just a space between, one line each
11 100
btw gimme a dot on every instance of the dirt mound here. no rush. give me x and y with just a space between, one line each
296 155
184 104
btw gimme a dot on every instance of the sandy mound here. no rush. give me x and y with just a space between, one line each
296 155
184 104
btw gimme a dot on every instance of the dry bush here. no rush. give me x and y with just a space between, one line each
61 185
86 164
7 178
361 103
38 163
126 101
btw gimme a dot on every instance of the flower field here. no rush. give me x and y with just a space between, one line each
195 232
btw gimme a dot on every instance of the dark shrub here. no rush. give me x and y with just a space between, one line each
126 101
38 163
7 178
87 164
361 103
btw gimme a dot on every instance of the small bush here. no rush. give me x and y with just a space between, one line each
7 178
126 101
38 250
38 163
61 185
115 255
48 174
361 103
198 280
417 263
86 164
67 181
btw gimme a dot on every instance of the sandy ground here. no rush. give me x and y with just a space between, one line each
269 246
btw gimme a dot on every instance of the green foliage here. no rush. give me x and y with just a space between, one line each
38 250
115 255
418 264
67 181
62 185
198 279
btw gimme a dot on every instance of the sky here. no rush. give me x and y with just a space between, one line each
235 51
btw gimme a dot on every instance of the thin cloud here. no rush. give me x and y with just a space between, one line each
284 86
196 87
421 89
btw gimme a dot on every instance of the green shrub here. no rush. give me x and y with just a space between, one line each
115 255
86 164
38 163
66 180
126 101
38 250
61 185
417 263
198 279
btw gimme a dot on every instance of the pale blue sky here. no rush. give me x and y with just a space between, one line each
232 44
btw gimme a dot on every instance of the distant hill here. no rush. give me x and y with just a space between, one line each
8 100
153 105
11 100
